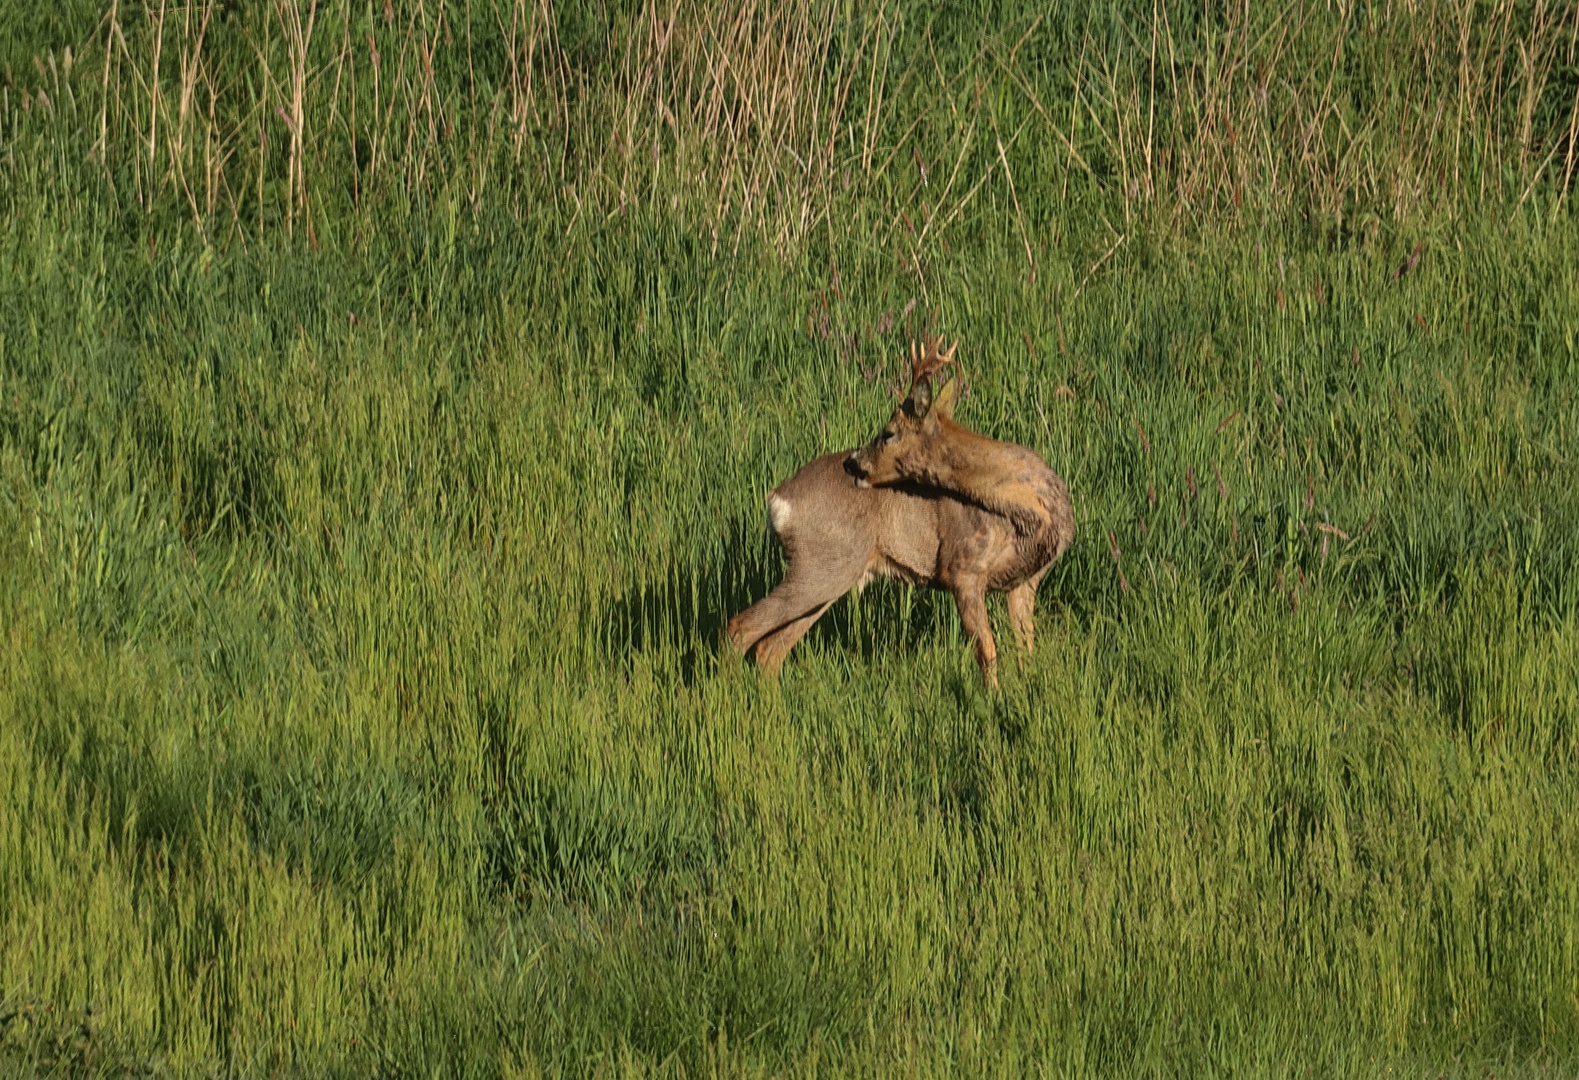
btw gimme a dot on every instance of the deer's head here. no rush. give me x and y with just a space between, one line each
901 449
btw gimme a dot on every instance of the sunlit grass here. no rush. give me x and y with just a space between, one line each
363 706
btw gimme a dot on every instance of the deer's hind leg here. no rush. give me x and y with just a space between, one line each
776 622
773 648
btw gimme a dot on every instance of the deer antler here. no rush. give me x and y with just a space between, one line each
927 359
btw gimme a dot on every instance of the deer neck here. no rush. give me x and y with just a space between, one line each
983 470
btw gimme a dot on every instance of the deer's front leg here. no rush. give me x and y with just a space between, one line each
971 598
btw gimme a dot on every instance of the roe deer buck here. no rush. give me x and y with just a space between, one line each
927 501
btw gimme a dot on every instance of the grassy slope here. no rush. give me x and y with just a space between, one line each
361 704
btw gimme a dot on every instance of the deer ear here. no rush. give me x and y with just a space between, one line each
921 399
947 398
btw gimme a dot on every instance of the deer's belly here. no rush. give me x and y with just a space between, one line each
888 567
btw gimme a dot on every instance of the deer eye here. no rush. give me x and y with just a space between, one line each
887 436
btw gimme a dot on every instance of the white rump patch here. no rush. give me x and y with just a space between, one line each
778 511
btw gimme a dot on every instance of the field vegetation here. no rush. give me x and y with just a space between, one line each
388 394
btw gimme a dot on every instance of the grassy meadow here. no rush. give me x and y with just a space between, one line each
388 394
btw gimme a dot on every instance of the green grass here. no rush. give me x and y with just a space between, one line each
364 556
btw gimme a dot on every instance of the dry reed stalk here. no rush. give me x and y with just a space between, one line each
191 65
112 26
1031 96
874 92
1019 214
153 97
1097 265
